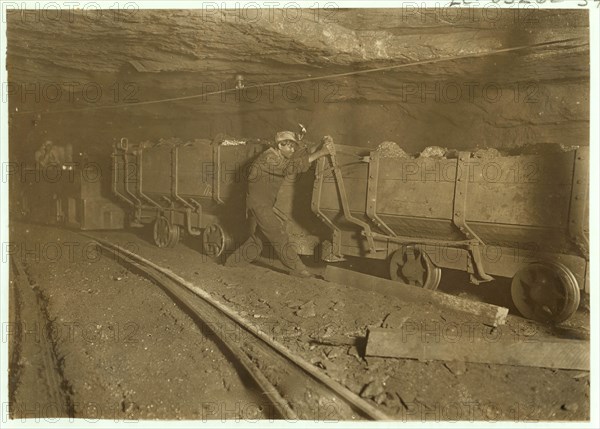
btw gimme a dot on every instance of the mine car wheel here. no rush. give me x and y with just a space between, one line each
544 291
176 235
214 240
412 266
165 234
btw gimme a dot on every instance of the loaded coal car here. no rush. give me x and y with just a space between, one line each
199 188
522 216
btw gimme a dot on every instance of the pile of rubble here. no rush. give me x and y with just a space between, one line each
390 149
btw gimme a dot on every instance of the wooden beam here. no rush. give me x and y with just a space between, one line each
411 343
488 314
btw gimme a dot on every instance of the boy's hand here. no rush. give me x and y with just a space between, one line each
329 145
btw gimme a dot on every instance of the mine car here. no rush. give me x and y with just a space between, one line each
199 188
523 217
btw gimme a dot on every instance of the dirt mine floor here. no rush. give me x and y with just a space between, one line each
121 349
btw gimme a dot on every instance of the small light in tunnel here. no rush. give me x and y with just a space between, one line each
239 81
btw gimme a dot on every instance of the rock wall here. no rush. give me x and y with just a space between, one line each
77 79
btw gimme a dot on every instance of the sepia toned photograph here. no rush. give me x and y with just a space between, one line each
284 213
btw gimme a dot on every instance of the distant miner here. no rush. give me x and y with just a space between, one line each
50 154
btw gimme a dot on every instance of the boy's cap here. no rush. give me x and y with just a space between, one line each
282 136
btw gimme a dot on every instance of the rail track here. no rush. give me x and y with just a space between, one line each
31 341
296 389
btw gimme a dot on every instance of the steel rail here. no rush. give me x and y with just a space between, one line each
201 313
52 377
192 297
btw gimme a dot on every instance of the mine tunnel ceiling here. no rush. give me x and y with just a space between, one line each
184 52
